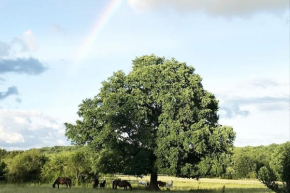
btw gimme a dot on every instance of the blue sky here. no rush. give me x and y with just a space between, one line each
240 49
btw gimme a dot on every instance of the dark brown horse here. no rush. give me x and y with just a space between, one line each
161 184
59 180
103 184
122 184
95 183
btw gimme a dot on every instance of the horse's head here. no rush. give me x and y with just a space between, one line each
53 185
130 186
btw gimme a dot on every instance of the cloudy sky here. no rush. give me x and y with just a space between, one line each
54 54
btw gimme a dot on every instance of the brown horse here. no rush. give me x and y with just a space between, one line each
95 183
59 180
103 184
161 184
121 183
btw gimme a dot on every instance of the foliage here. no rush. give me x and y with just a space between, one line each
58 163
58 149
2 170
267 177
25 167
79 166
56 166
3 153
247 161
245 167
76 164
11 154
157 117
278 169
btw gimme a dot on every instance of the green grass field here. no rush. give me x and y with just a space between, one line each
179 185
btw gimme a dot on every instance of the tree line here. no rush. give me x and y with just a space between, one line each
82 165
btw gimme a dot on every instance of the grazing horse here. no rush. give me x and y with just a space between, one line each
103 184
121 183
60 180
161 184
95 183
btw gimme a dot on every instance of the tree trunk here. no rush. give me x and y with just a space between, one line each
153 181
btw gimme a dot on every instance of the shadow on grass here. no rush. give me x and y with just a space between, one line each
227 190
218 190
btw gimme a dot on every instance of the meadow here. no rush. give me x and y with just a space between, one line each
180 185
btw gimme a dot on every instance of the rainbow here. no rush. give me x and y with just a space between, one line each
100 23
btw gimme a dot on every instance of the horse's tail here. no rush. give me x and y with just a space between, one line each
113 184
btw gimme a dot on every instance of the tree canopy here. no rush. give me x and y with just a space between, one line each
157 118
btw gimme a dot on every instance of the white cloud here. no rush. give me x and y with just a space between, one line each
60 142
27 42
258 110
24 129
10 137
227 8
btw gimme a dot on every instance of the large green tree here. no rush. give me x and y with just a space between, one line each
158 118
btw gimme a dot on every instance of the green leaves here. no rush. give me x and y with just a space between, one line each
25 167
278 169
158 115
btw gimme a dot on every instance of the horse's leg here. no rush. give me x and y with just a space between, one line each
57 186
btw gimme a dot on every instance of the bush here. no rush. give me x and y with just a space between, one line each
25 167
278 169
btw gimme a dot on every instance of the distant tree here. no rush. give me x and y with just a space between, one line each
158 118
79 166
3 153
25 167
278 170
58 149
2 169
56 166
12 154
245 166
